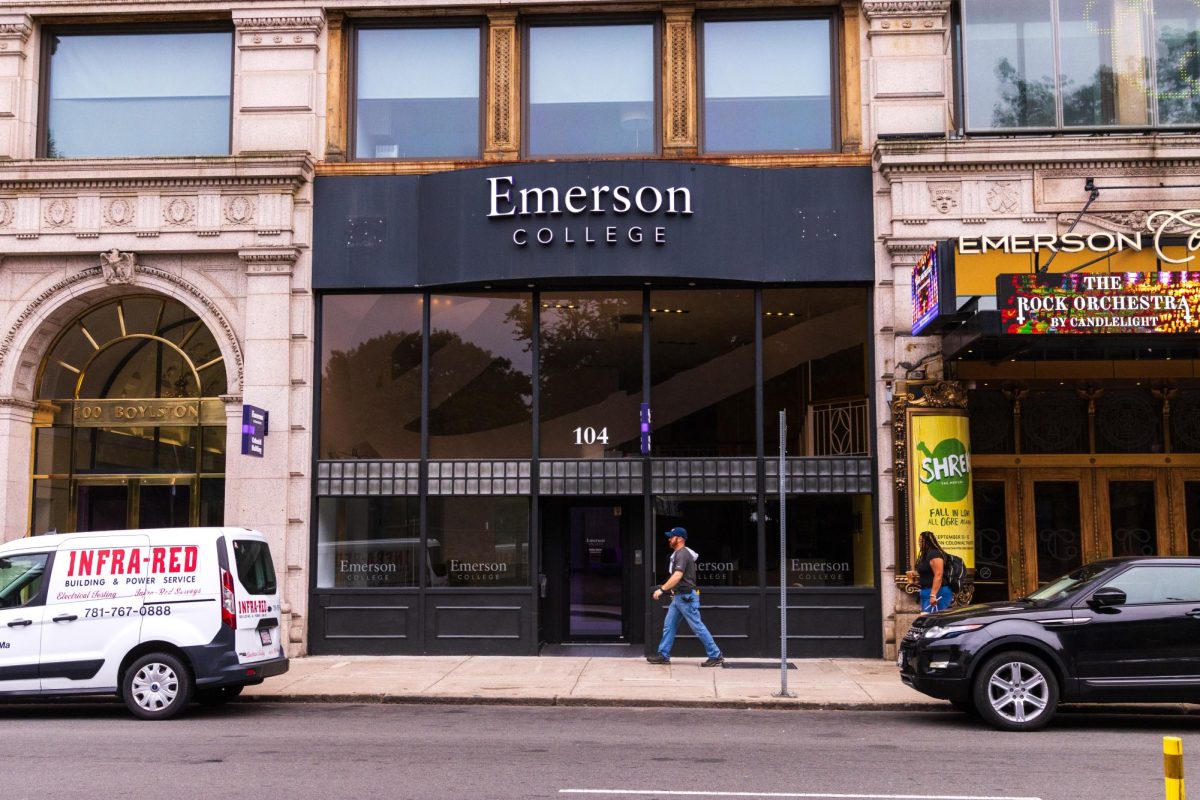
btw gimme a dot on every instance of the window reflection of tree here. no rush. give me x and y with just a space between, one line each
371 396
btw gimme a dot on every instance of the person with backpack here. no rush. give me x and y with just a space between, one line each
933 574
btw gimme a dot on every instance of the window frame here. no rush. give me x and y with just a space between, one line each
38 598
963 73
158 29
832 16
582 21
422 23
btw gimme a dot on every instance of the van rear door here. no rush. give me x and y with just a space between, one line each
255 598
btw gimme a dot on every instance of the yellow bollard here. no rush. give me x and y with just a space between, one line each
1173 767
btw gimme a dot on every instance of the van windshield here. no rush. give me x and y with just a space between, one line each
254 567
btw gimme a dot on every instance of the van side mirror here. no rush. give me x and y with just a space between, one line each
1107 597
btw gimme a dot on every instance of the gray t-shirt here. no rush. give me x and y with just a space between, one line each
685 560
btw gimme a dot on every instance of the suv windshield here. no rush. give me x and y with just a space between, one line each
1070 583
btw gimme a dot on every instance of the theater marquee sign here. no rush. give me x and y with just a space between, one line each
1129 302
1160 226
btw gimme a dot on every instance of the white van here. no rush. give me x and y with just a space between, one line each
156 617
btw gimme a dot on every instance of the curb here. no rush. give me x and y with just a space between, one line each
590 702
1156 709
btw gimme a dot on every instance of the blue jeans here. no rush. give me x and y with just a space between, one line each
687 607
944 598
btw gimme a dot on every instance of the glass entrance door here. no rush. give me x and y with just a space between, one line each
102 506
595 585
133 503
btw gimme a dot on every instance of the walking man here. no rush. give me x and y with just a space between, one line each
685 602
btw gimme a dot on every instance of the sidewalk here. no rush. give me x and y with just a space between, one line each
826 683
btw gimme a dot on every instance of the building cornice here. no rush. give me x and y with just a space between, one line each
905 8
291 171
1123 152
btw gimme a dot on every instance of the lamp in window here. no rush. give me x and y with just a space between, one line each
637 121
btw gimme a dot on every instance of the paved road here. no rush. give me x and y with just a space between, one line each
382 752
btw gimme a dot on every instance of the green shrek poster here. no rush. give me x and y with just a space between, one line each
942 498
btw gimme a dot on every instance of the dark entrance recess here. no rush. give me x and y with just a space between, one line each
590 548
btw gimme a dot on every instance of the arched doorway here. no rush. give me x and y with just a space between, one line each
129 430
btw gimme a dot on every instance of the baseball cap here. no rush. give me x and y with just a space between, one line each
676 531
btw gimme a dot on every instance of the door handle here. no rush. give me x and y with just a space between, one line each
20 623
1194 613
66 618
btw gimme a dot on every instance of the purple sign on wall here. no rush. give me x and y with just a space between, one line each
254 430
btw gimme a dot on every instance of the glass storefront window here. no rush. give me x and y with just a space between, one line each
1177 53
371 376
480 376
829 541
815 369
723 531
135 450
53 451
368 542
1009 64
478 541
590 374
139 94
702 373
1121 63
417 93
51 506
591 90
767 85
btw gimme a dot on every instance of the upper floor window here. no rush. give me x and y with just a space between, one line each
138 94
417 93
767 85
1083 64
591 90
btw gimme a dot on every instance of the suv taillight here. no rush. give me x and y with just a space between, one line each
228 615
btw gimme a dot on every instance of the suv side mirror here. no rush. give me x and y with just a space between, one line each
1107 597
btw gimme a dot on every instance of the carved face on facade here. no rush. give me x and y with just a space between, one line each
944 200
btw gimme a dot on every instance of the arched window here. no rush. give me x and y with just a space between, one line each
129 429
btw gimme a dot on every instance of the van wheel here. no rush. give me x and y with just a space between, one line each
157 686
218 696
1016 692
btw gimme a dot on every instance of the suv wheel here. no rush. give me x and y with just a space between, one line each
157 686
1016 692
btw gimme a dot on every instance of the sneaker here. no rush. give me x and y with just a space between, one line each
714 662
657 659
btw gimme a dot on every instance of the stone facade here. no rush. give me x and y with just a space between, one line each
933 182
226 236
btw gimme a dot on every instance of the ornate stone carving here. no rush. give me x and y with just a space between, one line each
944 198
118 267
60 212
93 273
906 8
120 211
1002 197
679 88
269 261
313 24
502 104
239 210
178 211
1125 222
6 213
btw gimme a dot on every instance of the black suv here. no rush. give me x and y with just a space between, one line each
1119 630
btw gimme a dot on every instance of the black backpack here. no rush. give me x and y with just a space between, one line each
954 571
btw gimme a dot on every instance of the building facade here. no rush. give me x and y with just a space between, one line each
1051 148
519 287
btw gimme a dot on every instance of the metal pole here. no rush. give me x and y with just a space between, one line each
783 664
